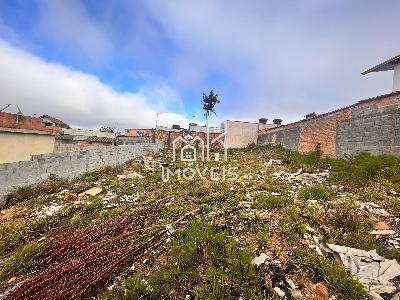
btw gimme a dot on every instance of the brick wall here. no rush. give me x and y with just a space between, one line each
67 164
370 125
139 132
9 120
321 131
167 137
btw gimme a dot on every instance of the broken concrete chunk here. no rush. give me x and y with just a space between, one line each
259 260
383 232
279 292
92 191
130 175
372 270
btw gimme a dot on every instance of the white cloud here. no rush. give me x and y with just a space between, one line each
40 87
287 59
67 24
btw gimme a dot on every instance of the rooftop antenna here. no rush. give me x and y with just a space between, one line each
19 110
5 107
19 114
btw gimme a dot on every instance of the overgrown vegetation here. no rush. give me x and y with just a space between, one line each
206 254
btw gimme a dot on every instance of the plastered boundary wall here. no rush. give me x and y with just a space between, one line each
370 125
67 164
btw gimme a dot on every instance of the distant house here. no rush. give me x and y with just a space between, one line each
138 132
196 128
51 121
388 65
23 136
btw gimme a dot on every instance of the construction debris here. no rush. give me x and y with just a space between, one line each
47 211
259 260
302 178
375 272
383 232
273 162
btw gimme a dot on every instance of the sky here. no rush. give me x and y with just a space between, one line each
130 64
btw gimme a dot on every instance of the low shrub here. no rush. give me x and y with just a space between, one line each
263 201
23 260
78 221
49 186
292 228
204 264
314 192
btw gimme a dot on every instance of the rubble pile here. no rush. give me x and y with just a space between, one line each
301 178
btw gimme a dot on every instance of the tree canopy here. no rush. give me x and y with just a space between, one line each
209 102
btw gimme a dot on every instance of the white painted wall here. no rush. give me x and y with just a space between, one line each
239 134
396 78
204 129
87 132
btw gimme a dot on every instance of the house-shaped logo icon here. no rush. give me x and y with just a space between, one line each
219 145
188 148
188 153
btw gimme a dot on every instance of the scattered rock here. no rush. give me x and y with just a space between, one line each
297 294
306 179
259 260
273 162
291 284
394 242
128 198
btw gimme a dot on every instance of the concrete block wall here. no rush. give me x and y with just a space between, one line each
371 125
67 164
288 138
371 129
